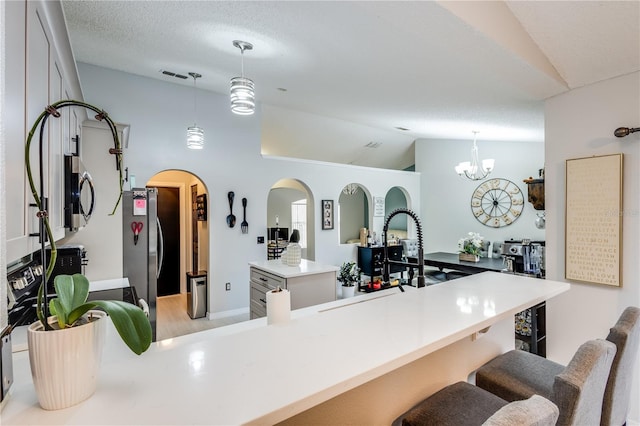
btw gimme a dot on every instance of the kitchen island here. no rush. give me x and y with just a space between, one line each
361 360
309 283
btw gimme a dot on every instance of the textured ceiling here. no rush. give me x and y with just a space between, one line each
354 71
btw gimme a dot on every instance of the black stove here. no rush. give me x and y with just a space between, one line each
24 278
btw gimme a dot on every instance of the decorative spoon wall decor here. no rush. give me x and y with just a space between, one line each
231 219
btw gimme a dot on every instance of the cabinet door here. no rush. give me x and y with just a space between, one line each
15 124
34 68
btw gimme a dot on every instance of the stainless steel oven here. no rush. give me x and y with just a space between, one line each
79 193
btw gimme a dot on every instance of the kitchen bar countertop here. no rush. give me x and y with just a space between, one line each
254 373
306 267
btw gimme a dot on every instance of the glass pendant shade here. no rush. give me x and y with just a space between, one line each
195 137
242 96
195 134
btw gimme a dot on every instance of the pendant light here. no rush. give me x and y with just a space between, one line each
242 88
195 134
472 169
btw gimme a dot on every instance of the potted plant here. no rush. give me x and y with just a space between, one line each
349 275
65 359
469 247
65 344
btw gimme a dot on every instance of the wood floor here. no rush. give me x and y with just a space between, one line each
173 320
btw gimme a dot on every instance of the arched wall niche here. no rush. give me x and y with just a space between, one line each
354 212
282 195
401 225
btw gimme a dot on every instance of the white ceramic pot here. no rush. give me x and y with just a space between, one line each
348 291
65 363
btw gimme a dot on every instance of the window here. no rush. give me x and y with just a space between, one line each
299 220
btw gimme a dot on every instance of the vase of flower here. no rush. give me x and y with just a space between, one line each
469 247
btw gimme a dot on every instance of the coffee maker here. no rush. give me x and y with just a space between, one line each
524 257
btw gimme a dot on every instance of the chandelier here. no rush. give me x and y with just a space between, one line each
350 189
242 89
472 169
195 134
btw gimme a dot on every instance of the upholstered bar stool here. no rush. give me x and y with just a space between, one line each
521 374
410 249
625 334
577 389
463 404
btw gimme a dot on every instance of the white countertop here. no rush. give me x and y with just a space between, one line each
306 267
111 284
251 372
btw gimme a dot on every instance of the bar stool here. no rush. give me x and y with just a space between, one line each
464 404
576 389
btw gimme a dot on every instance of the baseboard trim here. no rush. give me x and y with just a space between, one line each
226 314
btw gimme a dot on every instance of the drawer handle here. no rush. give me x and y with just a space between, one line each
263 279
263 301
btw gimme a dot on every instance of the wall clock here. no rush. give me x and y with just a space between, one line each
497 202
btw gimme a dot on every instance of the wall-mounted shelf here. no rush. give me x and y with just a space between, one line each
535 192
201 207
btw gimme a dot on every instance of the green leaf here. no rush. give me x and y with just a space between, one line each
72 291
131 322
57 309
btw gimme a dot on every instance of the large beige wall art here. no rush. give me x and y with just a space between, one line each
593 219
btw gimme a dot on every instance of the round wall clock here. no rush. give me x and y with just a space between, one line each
497 202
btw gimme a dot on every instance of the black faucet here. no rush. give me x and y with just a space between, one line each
387 261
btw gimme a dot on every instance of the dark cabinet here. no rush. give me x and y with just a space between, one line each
370 261
530 326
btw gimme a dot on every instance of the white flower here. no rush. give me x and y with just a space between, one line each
471 244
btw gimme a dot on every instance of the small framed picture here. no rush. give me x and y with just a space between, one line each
327 214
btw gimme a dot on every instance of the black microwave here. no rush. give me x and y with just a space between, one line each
79 193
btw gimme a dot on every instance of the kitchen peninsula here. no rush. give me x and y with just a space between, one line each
360 360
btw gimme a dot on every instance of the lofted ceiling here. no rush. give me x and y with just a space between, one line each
355 72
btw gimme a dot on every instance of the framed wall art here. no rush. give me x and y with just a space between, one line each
593 220
327 214
378 206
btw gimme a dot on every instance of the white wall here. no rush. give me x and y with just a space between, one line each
446 197
579 124
159 113
3 208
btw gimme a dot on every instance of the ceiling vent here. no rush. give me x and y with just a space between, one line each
373 145
173 74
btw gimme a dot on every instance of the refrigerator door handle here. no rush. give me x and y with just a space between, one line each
161 248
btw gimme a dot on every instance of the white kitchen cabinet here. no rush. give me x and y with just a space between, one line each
309 284
40 70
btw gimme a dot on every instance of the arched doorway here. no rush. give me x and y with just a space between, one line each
182 212
290 206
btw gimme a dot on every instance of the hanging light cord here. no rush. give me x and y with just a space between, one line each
195 76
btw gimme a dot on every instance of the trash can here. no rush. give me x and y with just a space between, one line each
197 294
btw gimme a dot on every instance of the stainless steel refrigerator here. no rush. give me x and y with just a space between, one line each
142 245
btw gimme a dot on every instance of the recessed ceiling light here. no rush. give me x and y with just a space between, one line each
404 129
